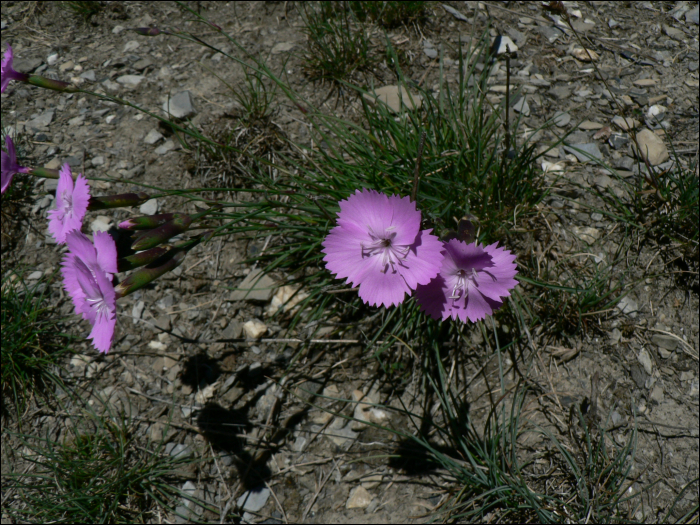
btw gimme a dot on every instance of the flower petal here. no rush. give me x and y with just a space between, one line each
106 252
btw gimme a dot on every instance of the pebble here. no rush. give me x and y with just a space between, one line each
561 119
625 124
342 437
98 161
586 234
613 23
359 498
35 275
584 55
142 64
645 82
282 47
361 412
665 342
137 311
628 306
499 44
692 16
164 148
233 330
101 223
254 499
255 287
615 336
618 141
586 151
180 105
179 450
657 393
589 125
153 136
130 81
645 360
521 106
41 122
150 207
657 111
254 329
652 147
455 13
395 97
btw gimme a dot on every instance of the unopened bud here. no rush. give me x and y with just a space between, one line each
162 233
117 201
146 222
147 31
50 83
144 276
44 172
140 259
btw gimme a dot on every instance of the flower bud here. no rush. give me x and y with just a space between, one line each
44 172
146 222
140 259
50 83
144 276
117 201
147 31
150 239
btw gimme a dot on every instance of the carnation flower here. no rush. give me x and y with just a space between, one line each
87 277
471 283
7 72
71 205
9 164
378 245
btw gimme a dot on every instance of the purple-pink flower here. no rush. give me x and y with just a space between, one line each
7 73
471 284
9 164
72 199
87 277
378 245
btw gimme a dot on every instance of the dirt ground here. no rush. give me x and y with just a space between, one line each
645 356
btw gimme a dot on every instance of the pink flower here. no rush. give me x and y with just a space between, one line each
9 164
87 277
378 245
7 72
471 283
72 201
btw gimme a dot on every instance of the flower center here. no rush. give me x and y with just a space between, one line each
67 199
461 287
383 246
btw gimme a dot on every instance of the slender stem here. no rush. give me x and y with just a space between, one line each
416 174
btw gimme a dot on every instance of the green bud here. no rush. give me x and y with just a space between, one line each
44 172
144 276
150 239
140 259
117 201
146 222
49 83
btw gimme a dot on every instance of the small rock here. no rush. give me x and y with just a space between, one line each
395 97
652 147
361 412
639 376
645 360
628 306
603 133
645 82
625 124
285 299
137 311
153 136
586 151
618 141
41 122
561 119
254 499
584 55
233 330
282 47
101 223
499 44
179 450
150 207
98 161
131 45
657 111
35 275
665 341
130 81
255 287
616 418
342 437
163 322
550 33
521 106
373 481
586 234
692 16
685 376
455 13
359 498
180 106
254 329
589 125
88 75
615 336
164 148
142 64
561 92
613 23
657 393
694 389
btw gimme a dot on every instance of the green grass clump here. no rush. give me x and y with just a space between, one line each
33 342
83 9
390 14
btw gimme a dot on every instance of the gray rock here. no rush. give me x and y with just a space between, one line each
137 311
692 16
342 437
233 330
254 499
27 65
50 185
98 161
163 322
616 418
153 136
521 106
587 151
628 306
180 105
74 161
613 23
130 81
603 181
624 163
150 207
615 336
179 450
41 122
618 140
282 47
164 148
142 64
131 45
692 66
455 13
255 287
665 341
657 393
550 33
396 98
561 119
639 376
625 124
88 75
645 360
35 275
561 92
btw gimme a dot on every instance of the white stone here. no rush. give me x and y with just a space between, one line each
282 47
150 207
180 105
254 329
584 55
102 223
153 136
645 360
652 147
625 124
254 499
359 498
586 234
504 41
130 81
285 299
131 45
395 97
